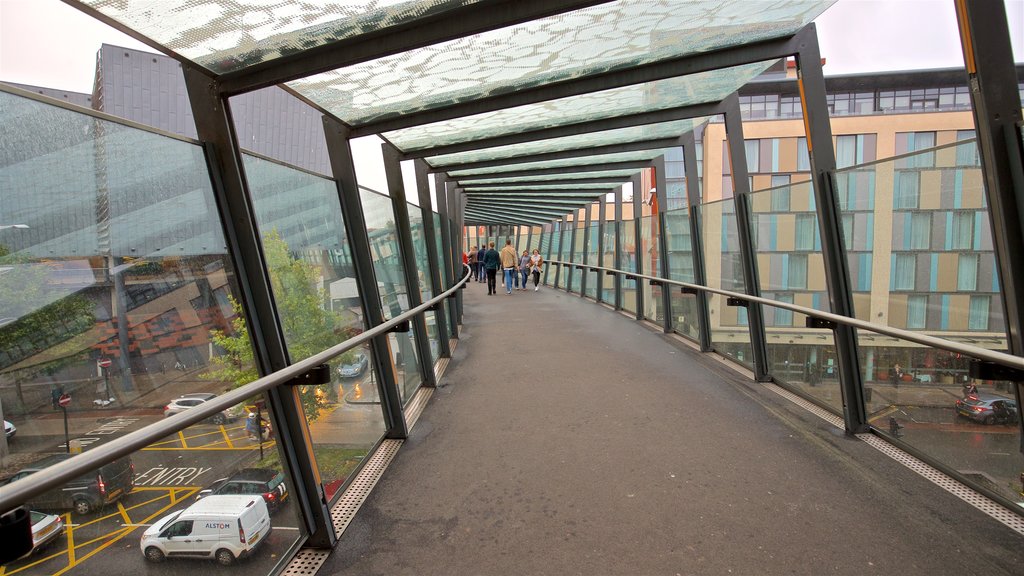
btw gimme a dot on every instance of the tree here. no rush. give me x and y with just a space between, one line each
308 326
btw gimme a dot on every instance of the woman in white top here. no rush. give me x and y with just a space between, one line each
535 264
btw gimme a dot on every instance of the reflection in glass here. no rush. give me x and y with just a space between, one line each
653 304
680 257
387 263
729 333
116 290
627 239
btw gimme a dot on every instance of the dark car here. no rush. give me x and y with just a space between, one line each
987 408
266 482
86 493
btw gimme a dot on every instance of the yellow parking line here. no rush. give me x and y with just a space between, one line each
182 436
883 413
124 513
226 438
253 447
27 566
69 531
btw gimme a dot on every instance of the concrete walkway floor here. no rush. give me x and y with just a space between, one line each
566 438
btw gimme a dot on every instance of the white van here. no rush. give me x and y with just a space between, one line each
221 527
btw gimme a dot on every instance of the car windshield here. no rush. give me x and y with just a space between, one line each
37 517
169 519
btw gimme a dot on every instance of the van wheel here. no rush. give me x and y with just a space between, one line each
218 419
225 557
82 506
153 554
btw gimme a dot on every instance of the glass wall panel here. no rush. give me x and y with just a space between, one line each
419 244
555 240
608 260
565 255
923 261
791 269
627 239
579 233
388 266
313 279
680 258
119 305
445 283
592 259
653 304
729 333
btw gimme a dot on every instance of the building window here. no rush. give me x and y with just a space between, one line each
977 318
967 272
784 317
917 312
780 196
805 231
753 149
920 231
847 220
803 158
904 269
907 193
967 153
962 231
797 271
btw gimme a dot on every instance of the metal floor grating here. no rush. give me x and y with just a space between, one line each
412 414
306 563
356 494
990 507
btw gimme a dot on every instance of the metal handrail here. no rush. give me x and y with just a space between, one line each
18 492
932 341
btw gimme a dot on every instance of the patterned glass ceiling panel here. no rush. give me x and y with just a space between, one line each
542 187
228 35
607 37
548 178
710 86
596 160
603 138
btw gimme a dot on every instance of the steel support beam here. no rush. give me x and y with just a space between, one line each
572 249
618 247
611 180
578 169
574 129
586 250
660 70
344 170
601 209
458 202
748 257
638 239
560 155
558 255
693 201
811 83
407 252
661 190
430 233
995 101
447 230
224 160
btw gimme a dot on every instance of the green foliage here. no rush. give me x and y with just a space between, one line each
308 327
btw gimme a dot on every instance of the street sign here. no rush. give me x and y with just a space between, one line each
104 363
64 400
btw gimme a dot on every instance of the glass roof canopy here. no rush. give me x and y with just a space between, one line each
450 81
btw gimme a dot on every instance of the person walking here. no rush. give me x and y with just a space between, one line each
480 262
473 264
524 267
508 265
536 261
491 262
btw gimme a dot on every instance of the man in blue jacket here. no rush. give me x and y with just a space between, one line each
491 262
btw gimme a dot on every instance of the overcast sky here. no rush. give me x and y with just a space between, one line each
47 43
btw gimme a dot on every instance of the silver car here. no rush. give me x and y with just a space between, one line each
186 401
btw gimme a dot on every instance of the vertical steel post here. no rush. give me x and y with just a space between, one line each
811 83
407 252
661 189
558 256
451 276
602 207
224 161
586 251
618 248
457 203
340 153
693 202
995 101
430 233
638 239
741 192
572 250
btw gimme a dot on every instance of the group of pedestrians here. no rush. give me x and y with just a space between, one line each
485 263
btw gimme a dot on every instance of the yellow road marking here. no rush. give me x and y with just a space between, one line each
124 513
883 413
71 539
181 435
226 438
197 448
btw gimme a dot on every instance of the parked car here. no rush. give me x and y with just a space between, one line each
224 528
86 493
985 408
45 529
9 430
266 482
186 401
354 368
